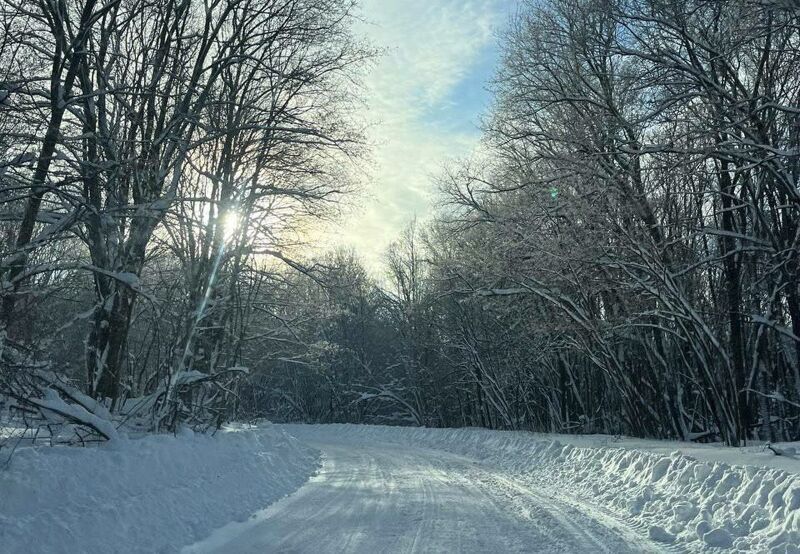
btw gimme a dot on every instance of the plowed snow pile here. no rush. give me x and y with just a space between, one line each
699 504
152 494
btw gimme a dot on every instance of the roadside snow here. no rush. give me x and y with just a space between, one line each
755 454
699 504
153 494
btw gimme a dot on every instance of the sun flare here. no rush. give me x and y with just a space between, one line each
230 222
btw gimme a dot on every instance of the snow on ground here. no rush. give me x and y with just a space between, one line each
397 489
699 504
152 494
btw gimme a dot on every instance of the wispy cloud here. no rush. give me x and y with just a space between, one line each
425 96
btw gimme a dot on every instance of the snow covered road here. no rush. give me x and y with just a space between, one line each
395 498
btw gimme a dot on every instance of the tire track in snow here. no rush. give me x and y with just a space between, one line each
594 538
389 498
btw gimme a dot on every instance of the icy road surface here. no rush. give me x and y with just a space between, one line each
389 498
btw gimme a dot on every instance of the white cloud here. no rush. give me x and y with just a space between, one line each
431 47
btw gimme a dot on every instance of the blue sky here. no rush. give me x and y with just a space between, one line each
426 95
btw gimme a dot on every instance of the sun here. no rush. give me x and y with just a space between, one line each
231 220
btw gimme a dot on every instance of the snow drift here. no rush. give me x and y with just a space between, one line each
675 498
153 494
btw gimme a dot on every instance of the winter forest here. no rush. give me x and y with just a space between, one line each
621 255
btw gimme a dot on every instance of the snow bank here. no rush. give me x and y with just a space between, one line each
153 494
698 504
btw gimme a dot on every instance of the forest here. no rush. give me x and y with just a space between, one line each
621 255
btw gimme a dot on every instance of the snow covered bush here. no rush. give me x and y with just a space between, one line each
40 403
36 402
42 398
189 398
